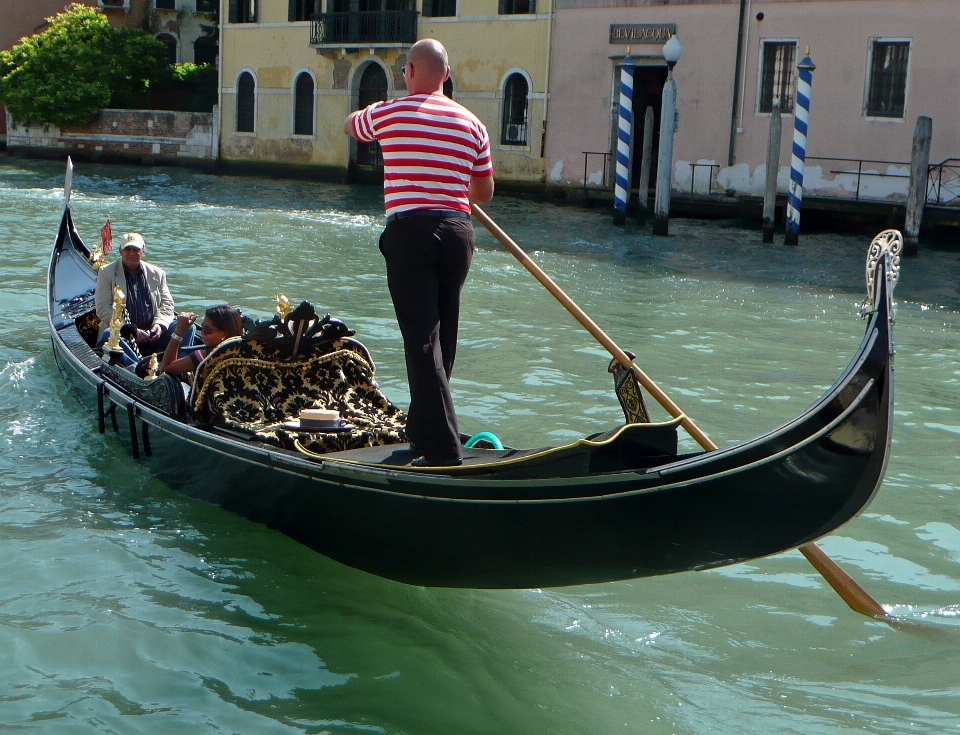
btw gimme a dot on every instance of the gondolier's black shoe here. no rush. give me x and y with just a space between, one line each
424 462
415 450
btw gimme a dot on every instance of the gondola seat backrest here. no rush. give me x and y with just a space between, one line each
258 384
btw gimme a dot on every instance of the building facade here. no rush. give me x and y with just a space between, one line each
880 64
189 29
292 70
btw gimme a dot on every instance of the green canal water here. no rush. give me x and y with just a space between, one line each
127 608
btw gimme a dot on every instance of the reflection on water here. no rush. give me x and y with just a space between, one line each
127 608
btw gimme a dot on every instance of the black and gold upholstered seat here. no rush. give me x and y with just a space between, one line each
256 384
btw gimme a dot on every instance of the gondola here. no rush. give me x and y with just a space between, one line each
617 505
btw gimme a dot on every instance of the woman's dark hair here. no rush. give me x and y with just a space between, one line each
226 319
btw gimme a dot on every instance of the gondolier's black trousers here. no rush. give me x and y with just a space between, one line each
427 263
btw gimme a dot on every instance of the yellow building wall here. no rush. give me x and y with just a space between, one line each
483 48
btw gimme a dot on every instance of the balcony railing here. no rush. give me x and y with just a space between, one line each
363 27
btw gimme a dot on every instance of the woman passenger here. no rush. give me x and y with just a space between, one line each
219 323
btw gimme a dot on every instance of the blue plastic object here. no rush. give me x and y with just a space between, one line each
480 436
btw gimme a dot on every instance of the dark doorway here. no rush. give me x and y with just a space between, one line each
648 84
373 88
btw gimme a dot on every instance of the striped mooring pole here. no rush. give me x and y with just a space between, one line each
801 119
621 194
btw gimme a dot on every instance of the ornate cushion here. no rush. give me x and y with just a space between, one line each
255 385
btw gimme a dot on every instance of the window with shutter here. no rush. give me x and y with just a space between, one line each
517 7
887 88
439 8
301 9
242 11
246 103
303 105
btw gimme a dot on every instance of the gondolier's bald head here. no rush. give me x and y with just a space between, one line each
430 66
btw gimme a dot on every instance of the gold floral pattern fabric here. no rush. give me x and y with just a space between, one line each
254 388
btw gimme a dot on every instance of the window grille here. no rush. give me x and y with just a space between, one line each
513 128
303 105
246 95
778 75
887 90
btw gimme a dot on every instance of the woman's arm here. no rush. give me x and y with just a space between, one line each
170 363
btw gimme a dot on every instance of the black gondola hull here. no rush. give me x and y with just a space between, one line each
773 493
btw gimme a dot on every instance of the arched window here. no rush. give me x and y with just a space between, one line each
303 105
372 88
205 51
513 126
170 41
246 99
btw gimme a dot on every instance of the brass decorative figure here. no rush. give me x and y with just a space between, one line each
96 258
283 305
116 320
153 368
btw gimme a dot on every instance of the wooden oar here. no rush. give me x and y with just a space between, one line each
845 586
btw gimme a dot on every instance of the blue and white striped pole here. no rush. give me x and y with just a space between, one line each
621 194
801 119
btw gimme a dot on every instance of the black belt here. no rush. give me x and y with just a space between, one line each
435 213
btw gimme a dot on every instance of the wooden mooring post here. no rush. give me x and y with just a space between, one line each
917 197
773 169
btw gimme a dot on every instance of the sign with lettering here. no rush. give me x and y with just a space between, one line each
642 32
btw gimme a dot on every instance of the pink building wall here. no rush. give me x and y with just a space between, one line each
839 33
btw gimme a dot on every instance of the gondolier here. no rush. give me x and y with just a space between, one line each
436 161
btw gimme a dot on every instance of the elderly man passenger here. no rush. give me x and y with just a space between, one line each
149 303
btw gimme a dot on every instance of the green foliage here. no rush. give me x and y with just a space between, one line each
189 73
66 74
188 87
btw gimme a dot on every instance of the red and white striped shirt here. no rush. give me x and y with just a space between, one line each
431 146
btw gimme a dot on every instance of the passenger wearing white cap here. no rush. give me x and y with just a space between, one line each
149 303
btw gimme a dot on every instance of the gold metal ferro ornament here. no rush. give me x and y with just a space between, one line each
116 320
283 305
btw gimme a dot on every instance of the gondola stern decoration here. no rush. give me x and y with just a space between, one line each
883 257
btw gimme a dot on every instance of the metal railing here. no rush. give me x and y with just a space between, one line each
374 26
693 175
860 173
604 178
945 189
943 179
